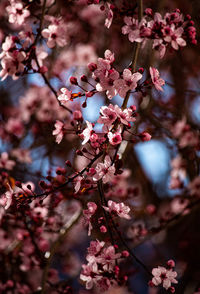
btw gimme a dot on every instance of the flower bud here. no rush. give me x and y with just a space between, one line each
73 81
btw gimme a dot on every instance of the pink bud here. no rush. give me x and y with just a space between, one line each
92 66
172 289
149 11
141 70
73 81
103 229
150 209
43 69
145 136
171 263
84 78
125 253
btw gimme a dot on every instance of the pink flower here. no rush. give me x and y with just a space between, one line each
6 199
107 80
115 138
87 132
41 55
56 34
88 274
164 276
12 65
26 36
175 37
109 17
158 45
7 47
157 81
105 75
108 258
17 14
125 115
132 29
59 131
77 183
104 171
119 208
65 96
129 82
88 213
95 247
5 162
108 115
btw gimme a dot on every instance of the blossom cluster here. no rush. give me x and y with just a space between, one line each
173 30
96 188
101 270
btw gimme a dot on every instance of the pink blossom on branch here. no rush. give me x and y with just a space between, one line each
104 171
156 80
119 209
132 29
5 162
16 12
115 138
6 198
56 34
65 96
129 82
88 213
59 131
164 276
86 134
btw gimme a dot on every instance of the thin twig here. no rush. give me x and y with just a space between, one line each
60 187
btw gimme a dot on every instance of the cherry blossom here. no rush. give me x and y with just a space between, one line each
129 82
164 276
109 17
132 29
106 75
92 207
115 138
12 65
17 14
155 77
104 171
119 208
59 131
6 198
175 37
107 115
94 178
56 34
125 115
5 162
86 134
108 257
